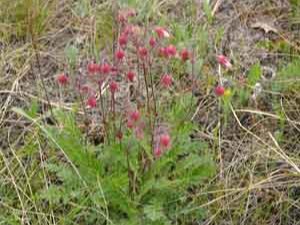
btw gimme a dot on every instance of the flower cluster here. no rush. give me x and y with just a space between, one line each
135 62
162 141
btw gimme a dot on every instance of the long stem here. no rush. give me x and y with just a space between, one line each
41 78
147 88
37 58
130 181
86 122
113 108
152 89
148 103
103 113
154 104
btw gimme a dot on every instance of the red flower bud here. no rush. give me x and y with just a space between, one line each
219 90
171 50
185 55
131 76
123 39
134 116
130 124
120 54
165 141
105 68
93 68
92 102
62 79
157 152
152 42
224 61
163 52
162 32
113 87
143 52
166 80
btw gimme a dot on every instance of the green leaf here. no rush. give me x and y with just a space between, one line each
53 194
208 11
154 212
254 74
71 53
33 109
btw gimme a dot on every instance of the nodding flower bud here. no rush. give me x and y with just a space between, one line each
139 131
92 102
157 152
85 89
122 18
171 50
125 14
163 52
113 87
120 54
219 90
152 42
185 55
93 68
130 124
128 30
143 52
62 79
134 116
131 76
162 32
165 141
166 80
133 120
123 39
105 68
224 61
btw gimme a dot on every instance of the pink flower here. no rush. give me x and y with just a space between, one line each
171 50
219 90
85 89
130 124
134 116
123 39
162 32
62 79
105 68
224 61
123 15
139 131
120 54
157 152
163 52
131 76
152 42
185 55
166 80
113 87
92 102
122 18
143 52
93 68
165 141
128 30
133 121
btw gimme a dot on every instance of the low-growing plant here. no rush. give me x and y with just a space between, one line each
142 170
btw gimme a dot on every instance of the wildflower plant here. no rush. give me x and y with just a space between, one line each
147 158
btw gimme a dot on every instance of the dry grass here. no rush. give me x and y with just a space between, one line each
257 150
